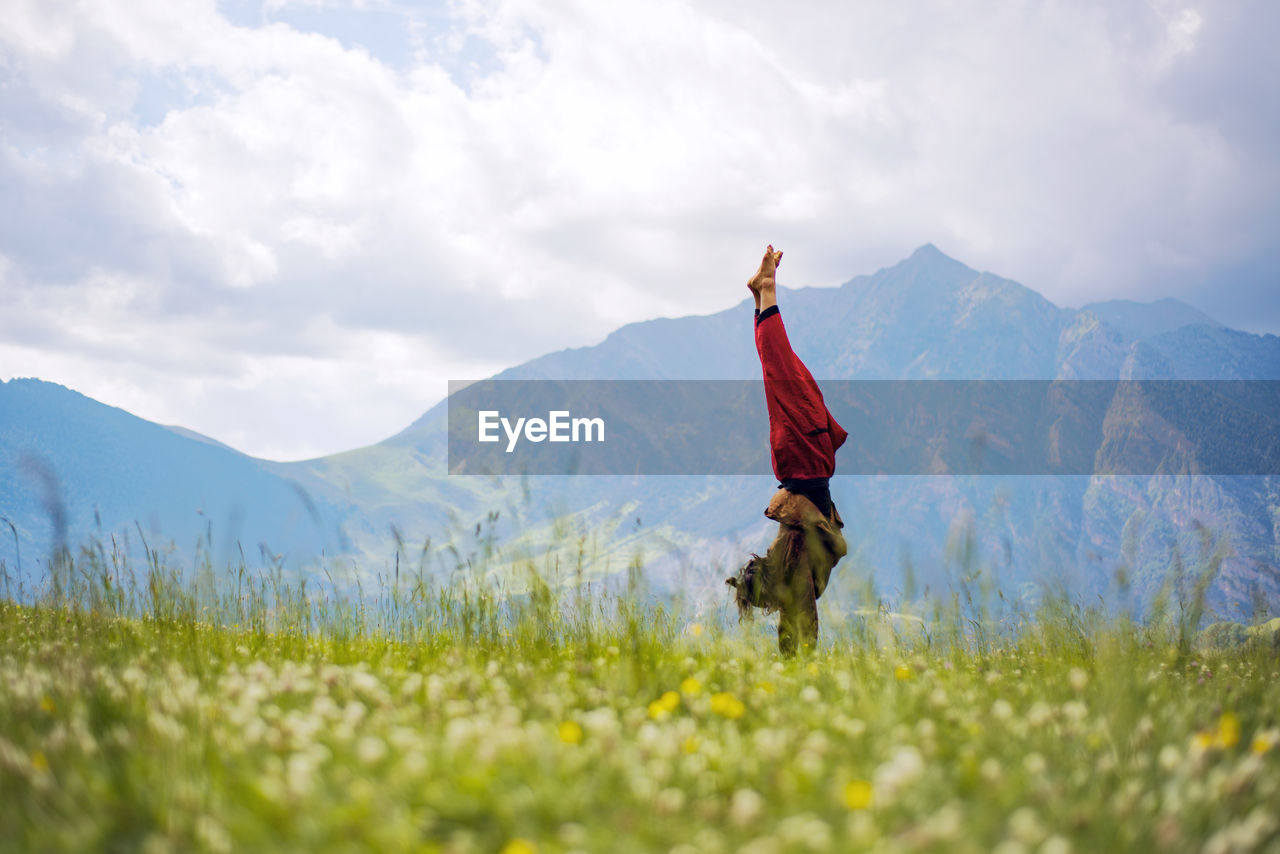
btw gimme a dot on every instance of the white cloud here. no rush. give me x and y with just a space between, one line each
259 231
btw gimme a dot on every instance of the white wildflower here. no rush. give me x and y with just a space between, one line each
745 807
1078 679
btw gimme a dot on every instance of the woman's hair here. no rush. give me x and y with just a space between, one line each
758 584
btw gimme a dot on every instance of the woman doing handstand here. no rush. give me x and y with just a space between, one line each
803 440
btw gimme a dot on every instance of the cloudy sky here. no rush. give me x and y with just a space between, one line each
287 223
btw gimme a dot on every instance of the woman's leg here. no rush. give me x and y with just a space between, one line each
803 437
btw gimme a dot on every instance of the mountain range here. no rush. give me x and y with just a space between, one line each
1124 538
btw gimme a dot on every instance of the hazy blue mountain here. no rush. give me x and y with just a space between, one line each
1205 352
199 437
71 467
1138 320
927 317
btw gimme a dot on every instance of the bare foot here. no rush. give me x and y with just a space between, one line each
765 277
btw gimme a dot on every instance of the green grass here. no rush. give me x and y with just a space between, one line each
258 716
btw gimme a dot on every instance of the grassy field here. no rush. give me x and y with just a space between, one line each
454 721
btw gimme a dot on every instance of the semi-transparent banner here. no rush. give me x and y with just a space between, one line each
906 427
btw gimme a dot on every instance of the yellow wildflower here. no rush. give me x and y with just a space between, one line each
696 630
766 687
902 673
1264 741
46 705
1228 730
727 706
858 795
690 686
519 846
691 744
570 732
39 762
664 705
1202 741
